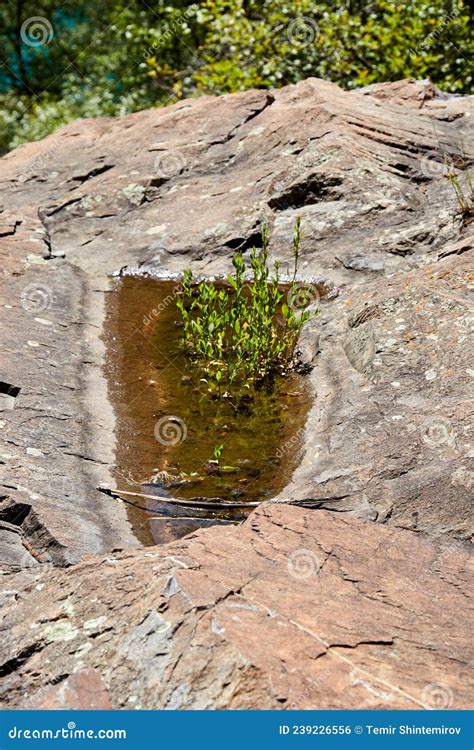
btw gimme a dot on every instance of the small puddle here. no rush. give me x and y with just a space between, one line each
164 423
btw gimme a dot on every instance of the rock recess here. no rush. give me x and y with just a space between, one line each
358 598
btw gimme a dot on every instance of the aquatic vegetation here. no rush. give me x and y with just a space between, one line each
243 332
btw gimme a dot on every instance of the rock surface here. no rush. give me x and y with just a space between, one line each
294 609
388 439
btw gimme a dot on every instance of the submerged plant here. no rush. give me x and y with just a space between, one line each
242 333
217 452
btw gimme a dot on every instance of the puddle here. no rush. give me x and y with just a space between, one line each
164 423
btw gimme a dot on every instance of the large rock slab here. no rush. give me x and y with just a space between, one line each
294 609
302 606
389 437
364 169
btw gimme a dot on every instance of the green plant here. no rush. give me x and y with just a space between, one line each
242 333
464 194
217 452
351 42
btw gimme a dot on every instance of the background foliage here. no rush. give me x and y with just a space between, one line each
107 57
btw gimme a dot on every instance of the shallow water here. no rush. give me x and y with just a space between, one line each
166 422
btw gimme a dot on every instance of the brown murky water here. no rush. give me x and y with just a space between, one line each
166 423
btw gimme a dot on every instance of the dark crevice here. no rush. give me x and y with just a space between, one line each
457 251
372 133
315 503
381 642
100 632
253 114
268 102
46 235
11 230
81 455
12 665
241 244
38 541
58 679
8 394
91 239
51 210
92 173
409 172
310 191
15 513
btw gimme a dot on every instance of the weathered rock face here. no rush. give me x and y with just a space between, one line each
388 439
295 609
393 424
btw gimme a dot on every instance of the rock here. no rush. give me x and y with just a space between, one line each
294 609
363 263
82 691
388 438
391 429
366 173
8 395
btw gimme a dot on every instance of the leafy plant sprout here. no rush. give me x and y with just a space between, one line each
217 452
464 194
241 333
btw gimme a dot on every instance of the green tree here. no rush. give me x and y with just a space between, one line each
108 57
352 43
88 59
